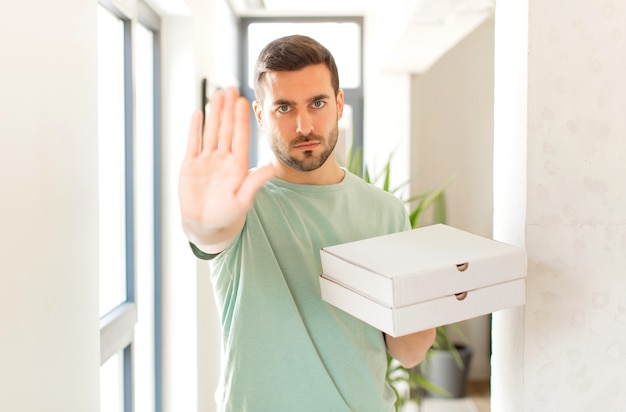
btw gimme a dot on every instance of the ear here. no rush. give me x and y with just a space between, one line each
258 112
339 104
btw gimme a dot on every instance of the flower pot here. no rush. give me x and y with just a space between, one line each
441 369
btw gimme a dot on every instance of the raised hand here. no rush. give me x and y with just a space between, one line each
215 187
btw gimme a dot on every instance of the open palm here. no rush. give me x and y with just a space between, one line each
216 188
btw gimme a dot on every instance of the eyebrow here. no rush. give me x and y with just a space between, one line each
285 102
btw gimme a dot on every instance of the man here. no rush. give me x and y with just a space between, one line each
284 349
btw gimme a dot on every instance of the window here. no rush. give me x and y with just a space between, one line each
128 135
111 387
343 37
111 156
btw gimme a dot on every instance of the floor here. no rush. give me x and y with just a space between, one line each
480 394
477 400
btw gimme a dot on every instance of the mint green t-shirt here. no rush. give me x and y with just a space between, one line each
284 349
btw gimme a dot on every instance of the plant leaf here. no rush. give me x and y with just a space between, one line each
437 193
439 209
387 175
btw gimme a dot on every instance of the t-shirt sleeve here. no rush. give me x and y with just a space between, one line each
200 254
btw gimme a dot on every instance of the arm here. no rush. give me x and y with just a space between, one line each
411 349
215 188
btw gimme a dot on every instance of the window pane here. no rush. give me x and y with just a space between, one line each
112 384
111 159
342 39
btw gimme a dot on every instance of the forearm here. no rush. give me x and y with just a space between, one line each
210 240
410 349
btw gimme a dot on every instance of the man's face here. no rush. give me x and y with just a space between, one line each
299 114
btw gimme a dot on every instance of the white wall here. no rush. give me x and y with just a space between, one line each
452 130
49 326
386 127
573 355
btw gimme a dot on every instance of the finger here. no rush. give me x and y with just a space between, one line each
212 123
227 118
241 133
253 183
193 140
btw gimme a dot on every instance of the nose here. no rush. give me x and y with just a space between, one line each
304 124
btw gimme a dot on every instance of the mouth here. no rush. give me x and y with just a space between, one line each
310 145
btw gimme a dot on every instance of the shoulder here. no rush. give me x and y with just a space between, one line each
361 187
378 211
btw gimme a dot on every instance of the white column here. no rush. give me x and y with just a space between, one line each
49 324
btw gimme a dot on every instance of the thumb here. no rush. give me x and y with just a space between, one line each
253 182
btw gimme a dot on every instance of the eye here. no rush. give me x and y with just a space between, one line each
318 104
283 109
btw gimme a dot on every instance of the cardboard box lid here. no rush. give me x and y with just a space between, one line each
421 264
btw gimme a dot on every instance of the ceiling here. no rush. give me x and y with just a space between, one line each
426 10
430 27
317 7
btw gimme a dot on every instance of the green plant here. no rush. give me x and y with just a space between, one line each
398 375
419 203
443 342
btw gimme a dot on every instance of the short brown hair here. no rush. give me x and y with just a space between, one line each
293 53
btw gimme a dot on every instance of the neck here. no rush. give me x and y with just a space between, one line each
328 174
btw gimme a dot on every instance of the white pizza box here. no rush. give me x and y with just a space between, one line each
427 277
